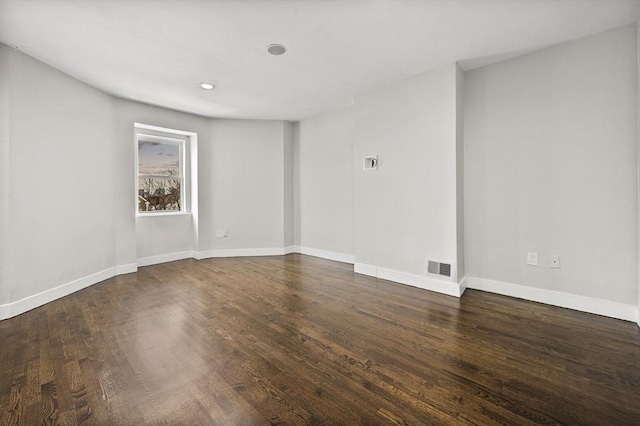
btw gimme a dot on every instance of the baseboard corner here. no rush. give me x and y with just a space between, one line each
463 285
128 268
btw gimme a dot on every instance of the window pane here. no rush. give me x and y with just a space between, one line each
157 194
157 158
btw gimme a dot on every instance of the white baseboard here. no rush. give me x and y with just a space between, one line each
163 258
30 302
270 251
556 298
463 285
325 254
207 254
364 269
426 283
5 311
129 268
580 303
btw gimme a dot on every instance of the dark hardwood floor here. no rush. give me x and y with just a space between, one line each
300 340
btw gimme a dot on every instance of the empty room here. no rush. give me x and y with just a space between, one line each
315 212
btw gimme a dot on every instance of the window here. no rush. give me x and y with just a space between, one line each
161 174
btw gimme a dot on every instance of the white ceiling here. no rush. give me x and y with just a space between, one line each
158 51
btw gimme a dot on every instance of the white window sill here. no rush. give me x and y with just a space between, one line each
163 214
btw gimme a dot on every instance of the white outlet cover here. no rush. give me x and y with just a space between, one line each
532 258
554 262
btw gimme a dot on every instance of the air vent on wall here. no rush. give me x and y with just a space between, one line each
438 268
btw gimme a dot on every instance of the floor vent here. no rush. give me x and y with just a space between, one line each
438 268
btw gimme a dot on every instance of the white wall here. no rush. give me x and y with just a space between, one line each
405 212
58 153
460 172
297 207
390 221
288 186
324 147
550 159
242 177
4 177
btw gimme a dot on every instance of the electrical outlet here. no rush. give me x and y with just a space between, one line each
226 233
532 258
219 233
554 262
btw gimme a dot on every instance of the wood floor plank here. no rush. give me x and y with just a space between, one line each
301 340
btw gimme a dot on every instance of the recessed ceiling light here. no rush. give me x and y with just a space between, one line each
276 49
207 86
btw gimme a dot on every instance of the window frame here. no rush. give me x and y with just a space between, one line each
182 145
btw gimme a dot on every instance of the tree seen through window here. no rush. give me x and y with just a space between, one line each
160 175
